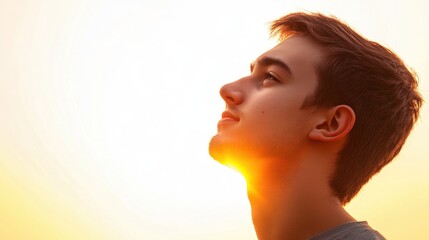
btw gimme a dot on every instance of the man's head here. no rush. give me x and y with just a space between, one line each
362 88
370 79
264 120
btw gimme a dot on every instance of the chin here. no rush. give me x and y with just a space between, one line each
217 149
230 153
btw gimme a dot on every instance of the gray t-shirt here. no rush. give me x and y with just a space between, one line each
350 231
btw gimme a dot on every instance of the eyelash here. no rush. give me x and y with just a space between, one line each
269 76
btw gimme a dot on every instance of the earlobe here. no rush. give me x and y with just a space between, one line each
335 125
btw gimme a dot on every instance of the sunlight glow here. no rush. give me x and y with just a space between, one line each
107 108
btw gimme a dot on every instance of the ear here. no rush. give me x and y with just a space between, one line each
335 124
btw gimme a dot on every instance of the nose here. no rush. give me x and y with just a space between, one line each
231 95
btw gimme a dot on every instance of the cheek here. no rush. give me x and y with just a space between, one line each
272 112
280 120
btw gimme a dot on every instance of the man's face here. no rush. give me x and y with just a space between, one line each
264 118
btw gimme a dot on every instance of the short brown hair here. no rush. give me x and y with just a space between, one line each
369 78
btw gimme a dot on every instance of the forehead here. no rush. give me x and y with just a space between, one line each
299 52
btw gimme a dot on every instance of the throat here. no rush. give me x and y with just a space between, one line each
293 209
274 212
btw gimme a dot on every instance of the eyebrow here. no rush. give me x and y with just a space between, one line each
267 61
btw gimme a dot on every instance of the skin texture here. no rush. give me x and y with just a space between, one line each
286 152
272 123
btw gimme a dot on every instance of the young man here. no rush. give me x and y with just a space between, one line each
318 116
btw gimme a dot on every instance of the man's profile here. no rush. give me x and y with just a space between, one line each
318 116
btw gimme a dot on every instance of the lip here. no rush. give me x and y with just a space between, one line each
228 118
229 115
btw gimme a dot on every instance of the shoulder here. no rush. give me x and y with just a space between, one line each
350 231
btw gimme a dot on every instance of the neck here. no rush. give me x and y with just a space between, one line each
297 206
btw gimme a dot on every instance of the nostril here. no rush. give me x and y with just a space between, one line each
230 94
234 97
230 99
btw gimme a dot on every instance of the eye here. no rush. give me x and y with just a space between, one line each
269 79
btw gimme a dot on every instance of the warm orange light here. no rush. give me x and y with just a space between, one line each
248 171
234 164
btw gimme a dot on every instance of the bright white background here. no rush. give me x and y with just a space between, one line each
107 108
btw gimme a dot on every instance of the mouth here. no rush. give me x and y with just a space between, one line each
228 118
230 115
